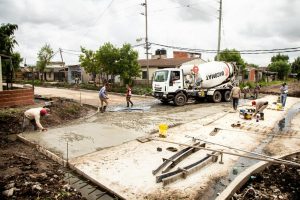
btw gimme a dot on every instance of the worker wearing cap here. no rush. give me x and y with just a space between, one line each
33 115
259 106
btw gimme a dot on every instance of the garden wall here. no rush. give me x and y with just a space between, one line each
16 97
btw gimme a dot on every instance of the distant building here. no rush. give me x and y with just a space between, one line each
55 71
160 61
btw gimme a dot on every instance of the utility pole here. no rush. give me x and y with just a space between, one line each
63 63
219 35
146 39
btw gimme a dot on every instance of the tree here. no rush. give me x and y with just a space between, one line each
7 39
110 60
16 60
128 65
279 57
108 56
280 64
296 65
7 43
89 62
232 55
281 67
44 57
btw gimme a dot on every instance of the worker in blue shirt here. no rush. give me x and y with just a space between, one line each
103 98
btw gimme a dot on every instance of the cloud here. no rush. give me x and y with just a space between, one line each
195 11
69 24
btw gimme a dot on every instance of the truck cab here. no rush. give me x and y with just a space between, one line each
168 85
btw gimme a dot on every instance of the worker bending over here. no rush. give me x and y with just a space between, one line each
33 116
259 106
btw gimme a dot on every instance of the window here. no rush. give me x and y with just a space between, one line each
246 75
75 74
49 74
144 74
175 75
161 76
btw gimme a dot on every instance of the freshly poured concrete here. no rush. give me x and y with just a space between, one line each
82 139
127 169
126 165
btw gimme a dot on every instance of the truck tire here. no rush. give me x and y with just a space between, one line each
217 97
179 99
226 96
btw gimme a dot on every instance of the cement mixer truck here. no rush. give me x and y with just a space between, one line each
211 80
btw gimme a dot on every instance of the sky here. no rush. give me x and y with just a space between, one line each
70 24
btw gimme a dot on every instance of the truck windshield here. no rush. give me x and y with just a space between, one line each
161 76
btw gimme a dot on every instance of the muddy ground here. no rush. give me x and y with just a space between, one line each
62 111
294 89
24 172
275 182
27 174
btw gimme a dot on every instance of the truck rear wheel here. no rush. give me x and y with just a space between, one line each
217 97
180 99
226 96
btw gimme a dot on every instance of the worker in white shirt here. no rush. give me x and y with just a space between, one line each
33 116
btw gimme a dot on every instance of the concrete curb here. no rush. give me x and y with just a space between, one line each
240 180
64 163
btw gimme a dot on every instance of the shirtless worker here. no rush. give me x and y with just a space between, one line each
33 116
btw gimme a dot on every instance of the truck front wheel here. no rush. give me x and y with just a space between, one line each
217 97
179 99
226 96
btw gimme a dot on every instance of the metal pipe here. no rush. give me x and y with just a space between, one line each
245 151
251 132
230 153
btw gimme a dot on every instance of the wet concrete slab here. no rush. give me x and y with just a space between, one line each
127 169
82 138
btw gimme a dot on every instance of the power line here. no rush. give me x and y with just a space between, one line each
100 16
256 51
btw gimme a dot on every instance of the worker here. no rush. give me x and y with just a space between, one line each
283 94
235 94
103 98
246 90
256 91
128 96
259 106
33 115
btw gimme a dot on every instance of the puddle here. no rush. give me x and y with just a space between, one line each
136 108
243 163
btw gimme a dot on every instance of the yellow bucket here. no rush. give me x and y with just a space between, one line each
163 128
279 106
